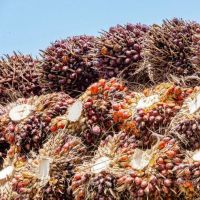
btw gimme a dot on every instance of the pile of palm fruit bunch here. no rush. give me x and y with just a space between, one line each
108 117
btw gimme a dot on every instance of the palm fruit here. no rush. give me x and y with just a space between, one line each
93 110
167 51
150 173
67 65
195 48
186 124
187 175
47 176
97 178
152 114
26 122
119 51
20 77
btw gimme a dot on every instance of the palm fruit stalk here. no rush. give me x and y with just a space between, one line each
47 176
119 51
150 173
19 77
185 125
67 65
167 53
27 121
97 178
187 175
91 116
151 115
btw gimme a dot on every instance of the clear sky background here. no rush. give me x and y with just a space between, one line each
30 25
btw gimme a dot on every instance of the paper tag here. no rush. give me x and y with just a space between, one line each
194 105
148 101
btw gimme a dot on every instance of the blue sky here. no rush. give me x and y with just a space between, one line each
30 25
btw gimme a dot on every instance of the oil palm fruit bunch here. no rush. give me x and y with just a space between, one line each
47 175
152 113
119 50
91 115
27 121
195 47
188 175
167 51
186 124
97 178
150 173
67 65
20 77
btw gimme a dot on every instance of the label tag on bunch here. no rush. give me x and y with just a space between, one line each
194 105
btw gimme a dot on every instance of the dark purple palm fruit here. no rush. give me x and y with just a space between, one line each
91 115
187 175
97 178
167 51
151 174
185 126
19 77
48 175
67 65
119 51
28 122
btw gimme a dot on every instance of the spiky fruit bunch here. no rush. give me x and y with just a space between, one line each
27 121
97 178
152 113
6 121
67 64
186 124
48 175
20 77
119 50
150 174
188 175
167 51
94 115
195 47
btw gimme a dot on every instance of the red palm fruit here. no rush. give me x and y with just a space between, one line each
67 65
20 77
167 51
48 174
151 172
186 124
26 122
119 51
